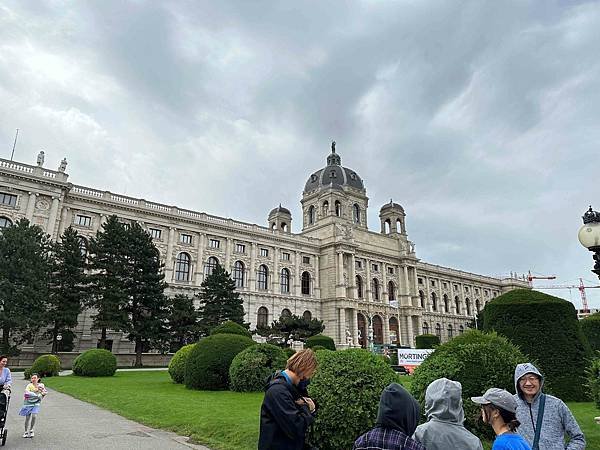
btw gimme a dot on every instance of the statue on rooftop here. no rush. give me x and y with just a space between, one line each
40 159
63 165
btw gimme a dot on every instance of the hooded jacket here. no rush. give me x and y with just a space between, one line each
283 423
397 420
558 421
444 410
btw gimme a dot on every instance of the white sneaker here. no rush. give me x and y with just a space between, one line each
26 434
31 434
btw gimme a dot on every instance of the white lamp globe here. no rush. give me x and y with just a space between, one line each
589 235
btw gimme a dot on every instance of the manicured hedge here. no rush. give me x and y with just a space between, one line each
177 363
547 330
479 361
44 366
347 387
288 352
251 367
207 365
96 362
593 375
427 341
320 339
591 329
230 327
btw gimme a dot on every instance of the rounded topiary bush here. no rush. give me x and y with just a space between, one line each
288 352
177 363
347 386
96 362
591 329
44 366
320 339
547 330
207 365
251 367
427 341
230 327
316 348
479 361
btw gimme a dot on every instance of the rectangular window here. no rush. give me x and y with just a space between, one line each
185 238
285 256
8 199
155 233
466 288
476 291
420 280
358 263
306 260
240 248
214 243
264 252
390 270
84 221
456 287
375 267
445 285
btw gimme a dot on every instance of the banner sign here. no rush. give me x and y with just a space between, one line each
411 358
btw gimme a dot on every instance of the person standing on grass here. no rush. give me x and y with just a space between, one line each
285 413
5 376
34 393
498 409
445 416
546 421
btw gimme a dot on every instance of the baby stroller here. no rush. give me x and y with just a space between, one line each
4 401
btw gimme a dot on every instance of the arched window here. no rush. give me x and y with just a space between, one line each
425 328
477 305
263 277
422 297
377 330
438 330
359 286
182 267
211 265
450 331
375 288
311 215
391 291
399 226
394 331
285 313
387 226
262 317
457 304
446 305
325 208
305 283
433 301
338 208
5 222
468 304
284 226
461 329
307 315
285 281
356 213
238 274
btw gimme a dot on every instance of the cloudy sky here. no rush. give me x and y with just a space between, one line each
481 118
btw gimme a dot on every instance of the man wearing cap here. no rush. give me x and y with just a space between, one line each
545 420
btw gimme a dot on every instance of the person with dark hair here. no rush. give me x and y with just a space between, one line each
397 420
498 409
5 376
548 424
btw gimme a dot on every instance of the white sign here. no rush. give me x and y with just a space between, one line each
411 358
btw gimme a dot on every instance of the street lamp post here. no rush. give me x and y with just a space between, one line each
589 236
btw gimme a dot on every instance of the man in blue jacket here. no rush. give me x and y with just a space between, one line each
557 423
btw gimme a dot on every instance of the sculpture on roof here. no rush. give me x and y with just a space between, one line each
332 146
40 158
63 165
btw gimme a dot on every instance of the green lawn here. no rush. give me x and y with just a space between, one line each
221 420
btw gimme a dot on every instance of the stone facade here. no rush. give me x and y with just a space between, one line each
367 287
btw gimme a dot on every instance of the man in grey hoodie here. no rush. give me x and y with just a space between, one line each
444 410
558 422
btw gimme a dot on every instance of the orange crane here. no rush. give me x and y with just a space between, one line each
581 288
530 278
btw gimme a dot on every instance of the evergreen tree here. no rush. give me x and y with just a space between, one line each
24 274
183 321
291 328
108 279
67 287
219 301
146 307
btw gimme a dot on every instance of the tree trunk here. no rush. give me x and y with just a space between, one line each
5 340
138 352
102 343
54 341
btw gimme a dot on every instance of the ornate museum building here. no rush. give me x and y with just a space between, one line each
367 286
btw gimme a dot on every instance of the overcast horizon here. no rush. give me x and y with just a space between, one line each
479 118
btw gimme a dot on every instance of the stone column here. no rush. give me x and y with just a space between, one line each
297 279
386 329
228 243
342 325
169 256
30 206
200 262
354 327
62 226
53 215
384 286
409 331
406 287
316 290
367 283
276 275
252 275
340 288
352 275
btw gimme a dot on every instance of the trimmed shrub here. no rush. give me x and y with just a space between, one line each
547 330
288 352
591 329
177 363
230 327
320 339
427 341
44 366
593 376
316 348
348 403
251 367
479 361
207 365
96 362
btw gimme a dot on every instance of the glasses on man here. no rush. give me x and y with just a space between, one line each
528 378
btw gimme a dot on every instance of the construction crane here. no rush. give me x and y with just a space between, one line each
581 288
530 278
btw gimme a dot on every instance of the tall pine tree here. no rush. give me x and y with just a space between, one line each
24 274
108 279
219 301
183 321
67 287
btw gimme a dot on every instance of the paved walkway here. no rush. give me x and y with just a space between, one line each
65 423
